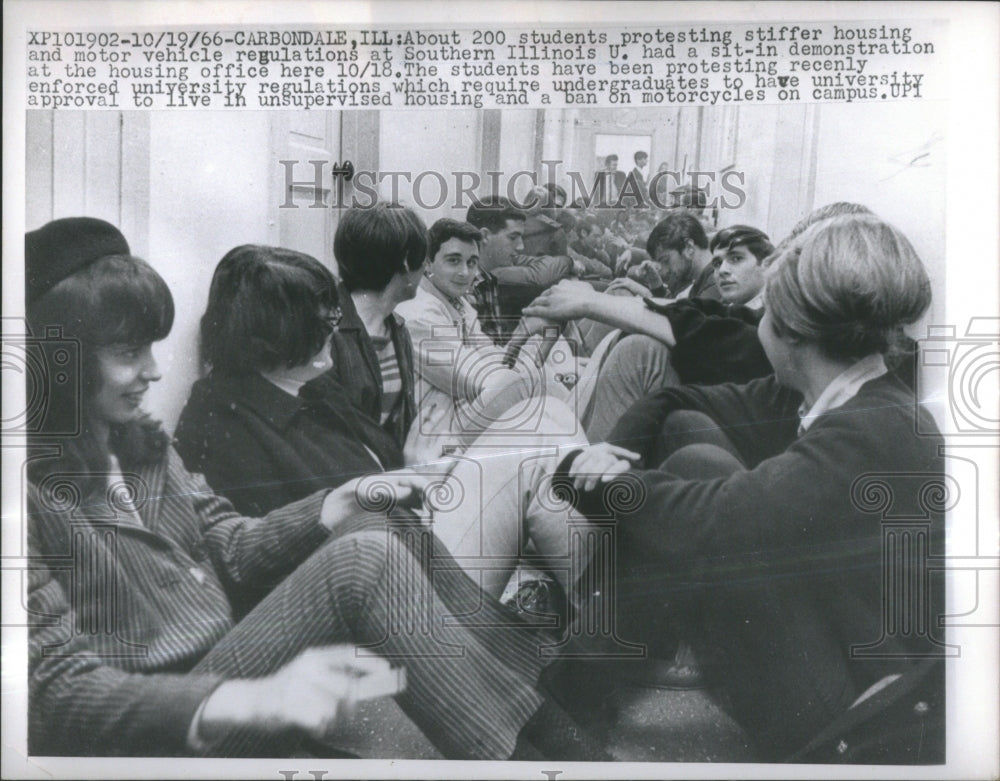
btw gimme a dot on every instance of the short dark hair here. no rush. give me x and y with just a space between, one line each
493 213
674 230
585 227
373 244
266 310
447 228
610 158
756 241
639 154
555 191
689 196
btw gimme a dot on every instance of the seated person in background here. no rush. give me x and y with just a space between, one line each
738 253
587 245
676 263
510 279
459 369
556 203
380 254
754 516
694 199
548 227
678 247
177 675
543 233
692 340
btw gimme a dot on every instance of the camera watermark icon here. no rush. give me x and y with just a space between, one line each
49 367
962 375
491 397
911 507
90 568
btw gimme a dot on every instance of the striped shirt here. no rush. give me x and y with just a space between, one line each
392 380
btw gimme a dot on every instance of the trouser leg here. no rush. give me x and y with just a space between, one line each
592 332
637 366
770 647
496 498
688 427
658 599
470 689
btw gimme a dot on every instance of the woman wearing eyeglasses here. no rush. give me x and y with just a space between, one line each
266 336
273 421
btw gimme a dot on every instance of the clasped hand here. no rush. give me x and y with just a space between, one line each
567 300
600 463
308 694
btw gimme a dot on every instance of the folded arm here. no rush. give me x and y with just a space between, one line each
574 300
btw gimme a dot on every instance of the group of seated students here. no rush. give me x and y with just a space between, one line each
365 461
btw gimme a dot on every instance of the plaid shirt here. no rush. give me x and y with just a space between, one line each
485 296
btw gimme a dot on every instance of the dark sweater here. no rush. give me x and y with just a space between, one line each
716 342
786 556
262 448
356 367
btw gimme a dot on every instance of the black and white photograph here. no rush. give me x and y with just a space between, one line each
515 390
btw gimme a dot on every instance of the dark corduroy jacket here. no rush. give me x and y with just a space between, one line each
262 448
121 598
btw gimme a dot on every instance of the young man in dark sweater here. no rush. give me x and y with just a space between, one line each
665 343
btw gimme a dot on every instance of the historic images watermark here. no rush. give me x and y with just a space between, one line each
666 189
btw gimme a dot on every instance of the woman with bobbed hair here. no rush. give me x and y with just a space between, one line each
273 421
757 520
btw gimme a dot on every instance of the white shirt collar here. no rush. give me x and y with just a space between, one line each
757 302
458 306
287 384
842 388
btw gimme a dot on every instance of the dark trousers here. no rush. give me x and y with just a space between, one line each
762 638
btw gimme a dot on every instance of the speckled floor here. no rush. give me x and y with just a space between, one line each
639 724
636 722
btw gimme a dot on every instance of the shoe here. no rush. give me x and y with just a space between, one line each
681 672
532 596
551 734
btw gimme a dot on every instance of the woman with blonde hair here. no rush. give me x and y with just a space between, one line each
759 520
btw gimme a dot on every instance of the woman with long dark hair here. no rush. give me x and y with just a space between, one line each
133 555
273 421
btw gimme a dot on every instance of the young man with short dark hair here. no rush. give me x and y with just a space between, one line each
380 254
510 279
679 247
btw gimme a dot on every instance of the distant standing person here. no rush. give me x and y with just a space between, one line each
609 182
